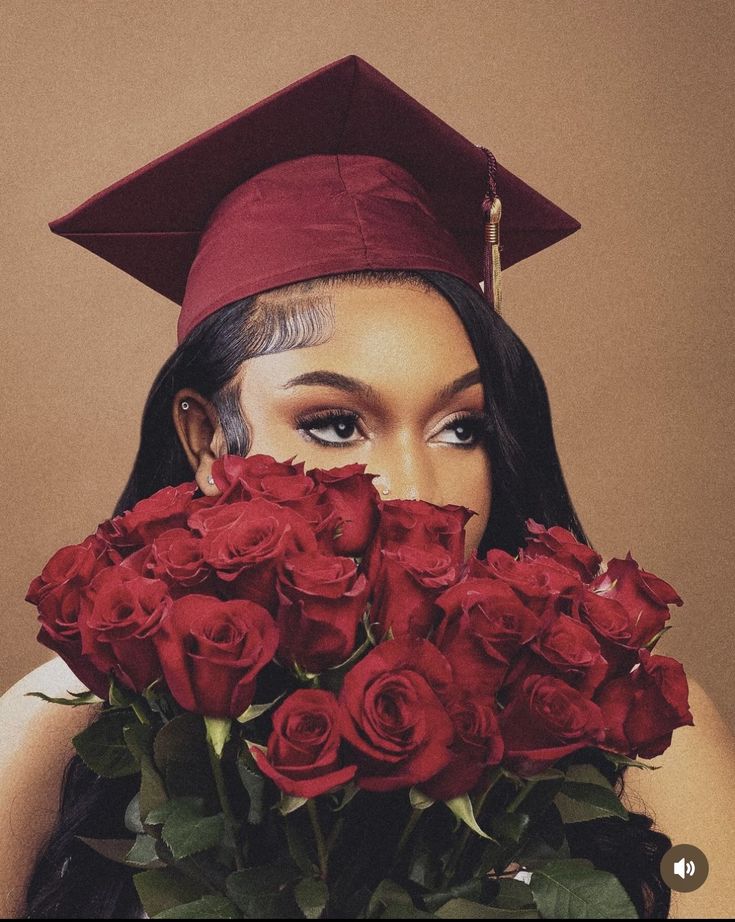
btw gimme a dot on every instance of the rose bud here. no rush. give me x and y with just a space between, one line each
641 710
211 652
350 494
244 541
544 720
416 523
394 715
321 602
406 584
484 626
477 745
560 545
121 614
303 748
645 596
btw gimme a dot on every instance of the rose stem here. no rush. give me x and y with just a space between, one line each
496 775
521 796
219 780
408 829
318 835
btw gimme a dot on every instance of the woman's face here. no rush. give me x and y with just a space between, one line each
395 387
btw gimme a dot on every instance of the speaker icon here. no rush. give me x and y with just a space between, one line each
684 868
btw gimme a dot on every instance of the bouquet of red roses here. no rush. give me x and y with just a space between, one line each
333 714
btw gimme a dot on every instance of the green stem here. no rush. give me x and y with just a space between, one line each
521 796
219 780
407 831
140 712
496 775
319 836
334 834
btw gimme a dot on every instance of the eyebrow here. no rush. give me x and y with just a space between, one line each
367 392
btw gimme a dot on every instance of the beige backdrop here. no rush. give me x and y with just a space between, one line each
621 112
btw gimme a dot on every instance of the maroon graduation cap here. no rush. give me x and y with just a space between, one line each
340 171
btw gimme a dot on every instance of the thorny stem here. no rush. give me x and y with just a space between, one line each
219 780
319 836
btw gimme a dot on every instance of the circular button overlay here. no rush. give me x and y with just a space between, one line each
684 868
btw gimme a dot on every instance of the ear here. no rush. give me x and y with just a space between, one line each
200 433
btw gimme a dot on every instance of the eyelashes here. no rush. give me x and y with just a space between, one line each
477 423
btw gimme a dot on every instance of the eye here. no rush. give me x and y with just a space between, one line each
468 428
341 423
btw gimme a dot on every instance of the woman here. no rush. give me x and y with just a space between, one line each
404 367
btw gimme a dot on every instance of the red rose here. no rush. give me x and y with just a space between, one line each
545 720
212 651
616 628
416 523
321 602
303 748
176 556
645 596
394 715
561 546
564 646
262 477
121 613
534 581
348 491
167 508
405 586
477 745
243 542
69 570
641 710
484 626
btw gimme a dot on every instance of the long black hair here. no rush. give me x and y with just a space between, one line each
527 481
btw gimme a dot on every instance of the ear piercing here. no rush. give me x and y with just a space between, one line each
210 479
386 490
184 404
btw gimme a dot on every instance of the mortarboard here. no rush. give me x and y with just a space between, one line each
341 170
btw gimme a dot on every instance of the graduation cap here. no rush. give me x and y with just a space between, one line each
340 171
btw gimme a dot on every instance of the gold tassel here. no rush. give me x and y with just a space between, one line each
493 290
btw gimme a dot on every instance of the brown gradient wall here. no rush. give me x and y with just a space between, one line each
621 112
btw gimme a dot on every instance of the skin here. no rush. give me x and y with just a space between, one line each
404 432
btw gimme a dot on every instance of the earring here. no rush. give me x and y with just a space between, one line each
386 490
210 479
184 404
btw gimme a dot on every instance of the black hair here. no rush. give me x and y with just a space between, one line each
527 481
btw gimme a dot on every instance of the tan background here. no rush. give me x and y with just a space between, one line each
621 112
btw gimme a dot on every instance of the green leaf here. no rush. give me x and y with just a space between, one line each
208 907
182 759
419 800
120 697
575 890
461 807
510 826
218 732
582 773
186 828
288 803
114 849
78 700
513 894
152 789
469 890
143 853
580 803
139 739
311 896
348 792
264 892
297 845
467 909
163 889
389 901
255 710
103 748
618 760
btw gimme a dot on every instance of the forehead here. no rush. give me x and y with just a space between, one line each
398 339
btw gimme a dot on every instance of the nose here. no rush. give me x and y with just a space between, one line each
407 471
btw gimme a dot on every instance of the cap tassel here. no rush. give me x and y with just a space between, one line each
491 209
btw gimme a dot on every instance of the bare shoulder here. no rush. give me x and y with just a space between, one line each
35 746
691 798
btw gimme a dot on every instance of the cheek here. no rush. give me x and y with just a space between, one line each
470 484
